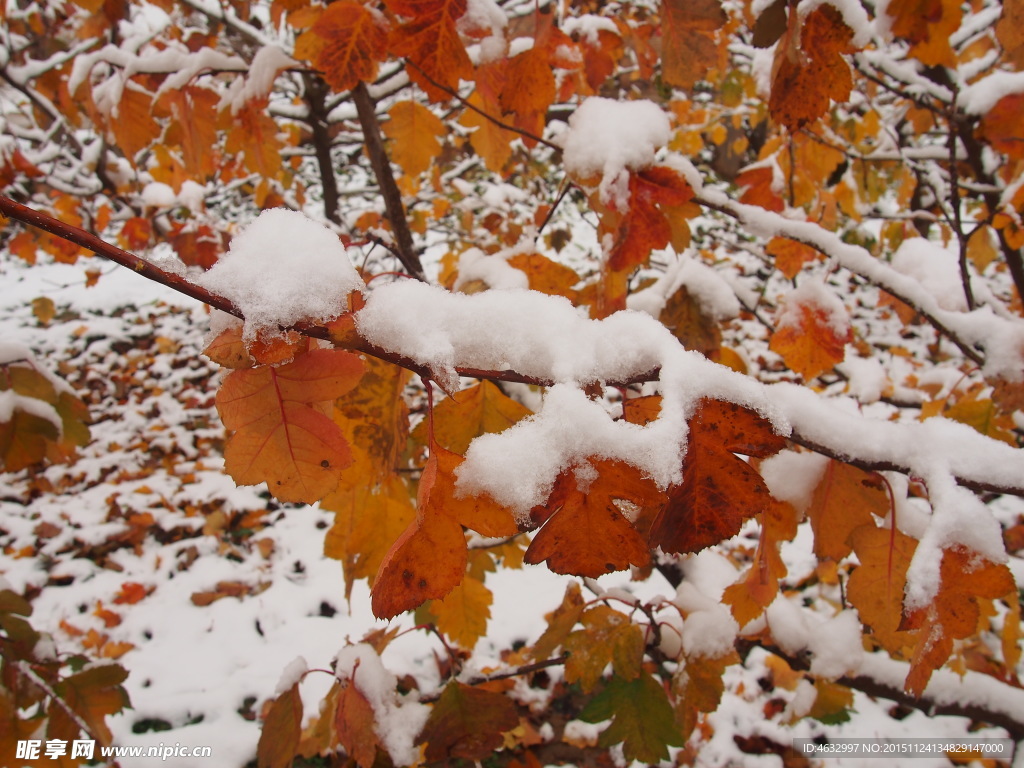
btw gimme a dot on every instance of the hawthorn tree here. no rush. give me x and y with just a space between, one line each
636 277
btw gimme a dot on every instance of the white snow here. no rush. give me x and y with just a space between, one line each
936 268
282 269
610 138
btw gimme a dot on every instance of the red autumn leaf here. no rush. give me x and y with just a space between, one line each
689 48
719 490
346 43
429 559
430 40
585 533
809 69
964 579
645 227
282 435
136 233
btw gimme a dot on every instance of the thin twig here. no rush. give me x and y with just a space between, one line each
482 113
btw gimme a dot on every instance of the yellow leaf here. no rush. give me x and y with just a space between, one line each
463 613
416 135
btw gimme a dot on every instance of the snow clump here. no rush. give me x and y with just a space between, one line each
282 269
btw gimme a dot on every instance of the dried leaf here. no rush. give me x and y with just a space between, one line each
467 723
719 490
876 585
689 47
279 739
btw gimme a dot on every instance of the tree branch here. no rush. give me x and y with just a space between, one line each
356 343
388 188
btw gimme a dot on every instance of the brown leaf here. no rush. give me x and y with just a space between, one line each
844 499
809 69
719 490
467 723
279 739
689 47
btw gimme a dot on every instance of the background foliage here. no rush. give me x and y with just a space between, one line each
823 198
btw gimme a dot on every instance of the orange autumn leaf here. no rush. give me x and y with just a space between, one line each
479 410
133 126
644 227
719 490
927 25
430 40
416 135
529 88
228 350
252 135
429 559
758 587
844 499
1010 31
757 187
964 579
546 275
489 140
689 46
1001 126
281 433
809 68
585 532
810 337
192 111
346 43
354 720
876 585
790 256
367 521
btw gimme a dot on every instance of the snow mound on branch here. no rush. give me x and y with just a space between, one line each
935 268
610 138
524 331
282 269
